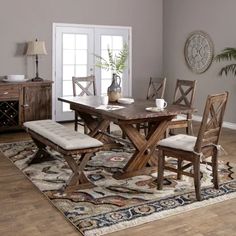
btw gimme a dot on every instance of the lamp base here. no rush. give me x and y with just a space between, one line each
37 79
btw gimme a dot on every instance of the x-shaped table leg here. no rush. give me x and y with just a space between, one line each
97 129
145 146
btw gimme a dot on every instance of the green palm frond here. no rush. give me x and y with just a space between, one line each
114 63
227 54
121 59
101 62
229 68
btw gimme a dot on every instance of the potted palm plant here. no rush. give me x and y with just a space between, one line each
116 63
227 54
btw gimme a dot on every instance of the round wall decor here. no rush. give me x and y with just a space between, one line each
198 51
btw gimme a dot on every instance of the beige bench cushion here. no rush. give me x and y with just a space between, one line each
62 136
180 141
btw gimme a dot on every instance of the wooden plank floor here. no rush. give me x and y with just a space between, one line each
26 212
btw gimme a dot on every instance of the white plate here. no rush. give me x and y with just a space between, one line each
14 80
126 100
153 109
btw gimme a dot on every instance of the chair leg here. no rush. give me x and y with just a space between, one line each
149 127
138 127
166 135
123 135
76 121
160 171
189 128
109 129
86 130
215 168
197 183
145 129
179 173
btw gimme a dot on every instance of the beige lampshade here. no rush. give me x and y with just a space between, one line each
36 48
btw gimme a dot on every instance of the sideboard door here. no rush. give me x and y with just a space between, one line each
37 102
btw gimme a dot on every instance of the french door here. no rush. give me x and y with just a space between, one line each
74 50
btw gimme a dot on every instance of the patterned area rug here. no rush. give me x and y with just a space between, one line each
117 204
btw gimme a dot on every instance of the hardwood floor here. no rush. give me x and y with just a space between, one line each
24 209
27 212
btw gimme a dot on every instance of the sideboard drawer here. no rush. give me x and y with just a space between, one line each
9 92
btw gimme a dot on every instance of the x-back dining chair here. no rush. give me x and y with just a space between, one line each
156 89
83 86
184 94
192 149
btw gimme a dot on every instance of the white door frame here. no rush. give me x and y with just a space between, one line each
55 25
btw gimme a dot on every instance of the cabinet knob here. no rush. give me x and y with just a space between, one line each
26 105
5 93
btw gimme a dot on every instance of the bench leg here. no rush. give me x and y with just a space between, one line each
41 154
78 177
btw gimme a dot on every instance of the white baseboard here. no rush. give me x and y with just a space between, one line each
228 125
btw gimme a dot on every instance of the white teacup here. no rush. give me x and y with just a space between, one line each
161 103
104 100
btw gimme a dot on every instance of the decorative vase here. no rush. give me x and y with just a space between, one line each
114 90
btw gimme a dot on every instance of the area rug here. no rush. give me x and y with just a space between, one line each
112 204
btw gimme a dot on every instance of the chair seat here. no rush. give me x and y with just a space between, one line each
180 117
180 141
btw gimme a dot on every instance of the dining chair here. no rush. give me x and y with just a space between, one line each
190 151
156 89
83 86
184 94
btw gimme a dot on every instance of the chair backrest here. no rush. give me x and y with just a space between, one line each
212 120
156 88
84 86
184 92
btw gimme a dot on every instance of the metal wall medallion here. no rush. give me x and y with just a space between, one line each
199 51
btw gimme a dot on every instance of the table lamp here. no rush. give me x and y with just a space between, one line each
36 48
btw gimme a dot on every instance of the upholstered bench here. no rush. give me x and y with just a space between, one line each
69 143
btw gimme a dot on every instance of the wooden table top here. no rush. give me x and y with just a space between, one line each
134 111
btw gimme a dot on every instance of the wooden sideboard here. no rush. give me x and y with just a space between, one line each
24 101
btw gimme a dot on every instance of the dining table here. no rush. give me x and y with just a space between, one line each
97 118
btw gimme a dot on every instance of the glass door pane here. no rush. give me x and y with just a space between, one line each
75 62
74 50
113 39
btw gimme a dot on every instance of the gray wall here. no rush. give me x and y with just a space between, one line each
25 20
217 18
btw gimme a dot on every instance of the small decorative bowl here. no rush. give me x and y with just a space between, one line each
15 78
